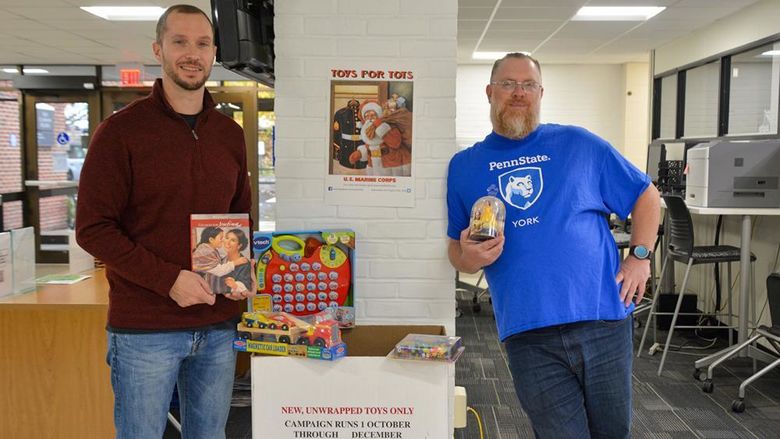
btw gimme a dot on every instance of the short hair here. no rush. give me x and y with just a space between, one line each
209 233
518 55
182 9
243 241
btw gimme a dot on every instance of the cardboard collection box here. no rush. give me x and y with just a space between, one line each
361 395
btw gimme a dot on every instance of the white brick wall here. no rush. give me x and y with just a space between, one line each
402 272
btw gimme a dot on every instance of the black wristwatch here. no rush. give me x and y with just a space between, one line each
640 252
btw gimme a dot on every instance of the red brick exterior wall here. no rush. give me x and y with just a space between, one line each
53 210
10 156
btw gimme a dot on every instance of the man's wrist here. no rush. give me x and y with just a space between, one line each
641 252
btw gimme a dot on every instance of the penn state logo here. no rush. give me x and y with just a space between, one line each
521 187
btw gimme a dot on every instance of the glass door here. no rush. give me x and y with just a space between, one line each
58 127
114 100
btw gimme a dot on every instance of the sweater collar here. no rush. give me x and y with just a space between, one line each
159 96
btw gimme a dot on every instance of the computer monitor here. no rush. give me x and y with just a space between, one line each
655 155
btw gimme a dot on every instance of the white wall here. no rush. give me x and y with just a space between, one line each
403 276
593 96
750 24
757 21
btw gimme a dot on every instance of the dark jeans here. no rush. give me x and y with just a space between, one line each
574 380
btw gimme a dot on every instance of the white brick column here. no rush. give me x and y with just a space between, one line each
402 272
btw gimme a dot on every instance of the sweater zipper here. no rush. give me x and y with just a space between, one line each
194 134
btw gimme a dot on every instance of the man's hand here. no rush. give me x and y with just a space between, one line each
241 295
634 274
474 254
354 157
191 289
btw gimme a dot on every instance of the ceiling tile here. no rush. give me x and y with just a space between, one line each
46 12
471 24
547 3
595 29
509 45
474 13
543 25
559 13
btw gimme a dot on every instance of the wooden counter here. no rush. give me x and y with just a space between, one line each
54 380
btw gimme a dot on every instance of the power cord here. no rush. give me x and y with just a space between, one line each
479 421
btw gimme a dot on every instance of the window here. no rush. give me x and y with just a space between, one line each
701 101
753 96
11 159
669 107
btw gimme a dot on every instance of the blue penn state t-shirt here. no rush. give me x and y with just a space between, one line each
559 260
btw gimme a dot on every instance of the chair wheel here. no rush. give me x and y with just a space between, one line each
738 405
707 386
637 324
699 374
476 307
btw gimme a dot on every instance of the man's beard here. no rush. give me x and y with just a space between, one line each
172 72
515 124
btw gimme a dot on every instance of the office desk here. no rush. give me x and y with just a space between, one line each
54 381
744 266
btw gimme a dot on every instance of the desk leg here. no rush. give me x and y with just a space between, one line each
744 280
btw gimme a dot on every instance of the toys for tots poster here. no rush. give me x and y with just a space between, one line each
371 147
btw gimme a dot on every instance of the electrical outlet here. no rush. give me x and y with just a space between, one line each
460 407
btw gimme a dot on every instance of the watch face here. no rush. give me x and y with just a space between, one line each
641 252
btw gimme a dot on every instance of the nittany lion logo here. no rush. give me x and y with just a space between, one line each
521 187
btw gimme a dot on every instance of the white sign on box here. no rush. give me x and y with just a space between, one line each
352 398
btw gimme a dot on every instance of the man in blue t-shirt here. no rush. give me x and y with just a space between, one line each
561 294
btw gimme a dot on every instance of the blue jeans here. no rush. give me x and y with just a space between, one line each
574 380
146 366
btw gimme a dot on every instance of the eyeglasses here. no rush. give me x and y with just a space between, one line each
509 85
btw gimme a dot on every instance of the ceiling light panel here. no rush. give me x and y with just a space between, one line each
617 13
126 13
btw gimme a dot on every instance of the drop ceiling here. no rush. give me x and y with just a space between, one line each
58 32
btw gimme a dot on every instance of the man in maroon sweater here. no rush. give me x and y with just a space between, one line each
149 167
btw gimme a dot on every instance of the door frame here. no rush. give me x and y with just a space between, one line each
34 193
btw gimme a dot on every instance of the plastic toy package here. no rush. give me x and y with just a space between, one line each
303 273
487 218
428 348
279 333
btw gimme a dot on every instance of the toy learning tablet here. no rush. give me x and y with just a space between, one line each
305 273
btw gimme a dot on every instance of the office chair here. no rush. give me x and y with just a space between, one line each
622 236
681 249
771 334
477 291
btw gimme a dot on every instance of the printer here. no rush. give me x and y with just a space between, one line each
734 173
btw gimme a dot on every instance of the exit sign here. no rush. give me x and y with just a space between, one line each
130 77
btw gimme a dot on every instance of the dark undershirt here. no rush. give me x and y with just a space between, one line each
190 119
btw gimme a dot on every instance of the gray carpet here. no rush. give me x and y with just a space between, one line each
672 407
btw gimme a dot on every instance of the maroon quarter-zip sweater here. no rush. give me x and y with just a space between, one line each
145 172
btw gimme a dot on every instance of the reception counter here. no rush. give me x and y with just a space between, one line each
54 380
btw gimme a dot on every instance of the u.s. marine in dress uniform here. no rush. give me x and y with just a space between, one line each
346 137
